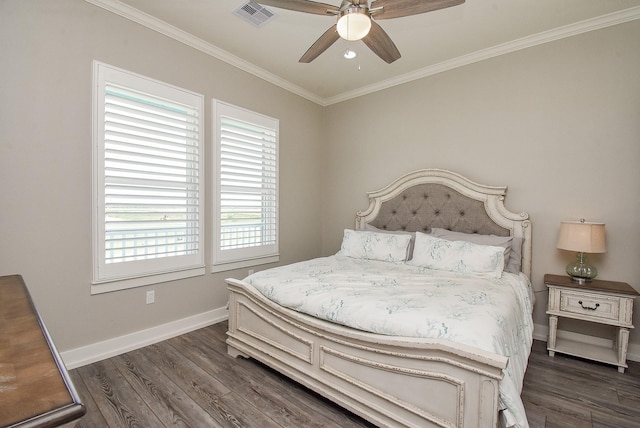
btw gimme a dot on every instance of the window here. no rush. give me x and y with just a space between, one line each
246 188
147 181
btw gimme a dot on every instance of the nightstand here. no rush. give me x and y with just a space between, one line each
604 302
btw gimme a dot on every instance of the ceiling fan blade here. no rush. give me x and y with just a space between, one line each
399 8
322 44
302 6
381 44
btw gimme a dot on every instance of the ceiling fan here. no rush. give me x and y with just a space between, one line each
355 21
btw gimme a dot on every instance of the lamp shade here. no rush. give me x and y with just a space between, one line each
354 23
582 236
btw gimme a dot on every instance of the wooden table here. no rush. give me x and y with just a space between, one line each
35 388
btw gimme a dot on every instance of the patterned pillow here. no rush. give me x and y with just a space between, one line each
386 247
513 247
457 256
370 228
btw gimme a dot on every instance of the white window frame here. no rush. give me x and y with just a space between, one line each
111 276
227 259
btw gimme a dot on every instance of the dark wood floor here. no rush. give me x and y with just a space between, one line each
569 392
190 381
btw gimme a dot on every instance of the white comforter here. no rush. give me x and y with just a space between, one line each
403 300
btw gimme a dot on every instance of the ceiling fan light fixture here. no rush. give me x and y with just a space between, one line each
354 23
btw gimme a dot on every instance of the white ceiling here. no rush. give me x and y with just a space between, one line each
429 43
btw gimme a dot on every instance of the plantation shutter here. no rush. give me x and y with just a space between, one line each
150 162
151 177
247 214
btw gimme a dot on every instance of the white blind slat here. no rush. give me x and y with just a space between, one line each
248 180
151 176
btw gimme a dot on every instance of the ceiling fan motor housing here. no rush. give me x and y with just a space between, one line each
354 22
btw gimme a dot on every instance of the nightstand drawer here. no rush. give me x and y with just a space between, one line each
592 305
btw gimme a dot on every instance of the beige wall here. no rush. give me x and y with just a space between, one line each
45 162
558 123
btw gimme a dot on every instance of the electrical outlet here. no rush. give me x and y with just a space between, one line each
151 296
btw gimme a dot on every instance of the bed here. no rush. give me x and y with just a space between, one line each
402 379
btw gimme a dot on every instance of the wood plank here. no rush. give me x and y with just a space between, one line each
558 392
200 386
607 419
558 412
235 409
577 392
166 399
119 403
93 417
260 387
292 393
195 381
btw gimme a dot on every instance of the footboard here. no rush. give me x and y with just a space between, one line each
390 381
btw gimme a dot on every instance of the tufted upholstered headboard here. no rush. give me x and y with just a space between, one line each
430 198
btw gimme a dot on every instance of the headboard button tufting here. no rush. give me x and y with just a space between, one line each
427 199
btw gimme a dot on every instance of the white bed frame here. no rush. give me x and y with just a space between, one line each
390 381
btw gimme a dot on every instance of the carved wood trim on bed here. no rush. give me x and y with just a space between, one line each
390 381
430 198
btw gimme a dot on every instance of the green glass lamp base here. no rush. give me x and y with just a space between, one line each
581 271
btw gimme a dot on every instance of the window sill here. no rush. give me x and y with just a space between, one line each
223 267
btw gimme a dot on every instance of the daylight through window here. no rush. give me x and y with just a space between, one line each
246 222
149 170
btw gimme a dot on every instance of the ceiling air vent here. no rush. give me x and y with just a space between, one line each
254 13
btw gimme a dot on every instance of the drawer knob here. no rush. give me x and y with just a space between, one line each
590 308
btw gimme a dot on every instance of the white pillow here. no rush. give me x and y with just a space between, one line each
476 238
370 228
457 256
386 247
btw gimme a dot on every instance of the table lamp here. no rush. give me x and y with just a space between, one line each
584 237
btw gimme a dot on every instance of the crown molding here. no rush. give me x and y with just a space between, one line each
586 26
188 39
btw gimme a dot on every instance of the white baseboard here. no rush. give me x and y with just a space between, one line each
84 355
541 332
